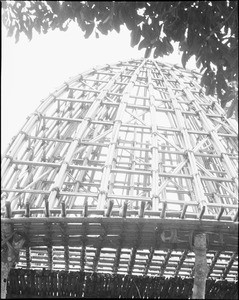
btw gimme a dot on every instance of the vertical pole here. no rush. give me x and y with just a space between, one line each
5 268
201 269
6 250
9 256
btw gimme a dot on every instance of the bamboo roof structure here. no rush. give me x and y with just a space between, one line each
118 169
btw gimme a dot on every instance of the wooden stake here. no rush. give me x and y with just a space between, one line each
4 274
9 256
201 269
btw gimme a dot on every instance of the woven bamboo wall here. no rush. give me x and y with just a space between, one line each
116 170
61 284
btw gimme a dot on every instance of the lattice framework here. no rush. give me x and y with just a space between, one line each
138 140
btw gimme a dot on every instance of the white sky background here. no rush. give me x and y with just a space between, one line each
31 70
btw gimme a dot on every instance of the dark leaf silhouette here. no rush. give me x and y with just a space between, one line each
135 36
143 44
147 52
208 30
89 30
185 58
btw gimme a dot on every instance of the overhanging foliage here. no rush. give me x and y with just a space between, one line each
206 29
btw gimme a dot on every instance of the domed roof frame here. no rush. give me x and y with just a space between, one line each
95 168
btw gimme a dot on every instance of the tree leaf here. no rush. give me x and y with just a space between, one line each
126 17
107 19
168 46
103 28
45 27
135 36
121 15
17 35
183 46
55 23
185 58
236 111
148 52
233 107
198 62
207 92
37 25
221 79
55 6
146 31
89 30
4 4
10 31
131 24
143 44
158 51
29 33
116 23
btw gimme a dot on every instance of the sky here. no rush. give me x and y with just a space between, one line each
31 70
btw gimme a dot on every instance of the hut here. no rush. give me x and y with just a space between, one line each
123 183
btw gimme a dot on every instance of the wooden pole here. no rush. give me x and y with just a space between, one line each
201 269
9 257
10 246
4 274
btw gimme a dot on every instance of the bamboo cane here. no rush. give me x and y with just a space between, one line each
118 135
